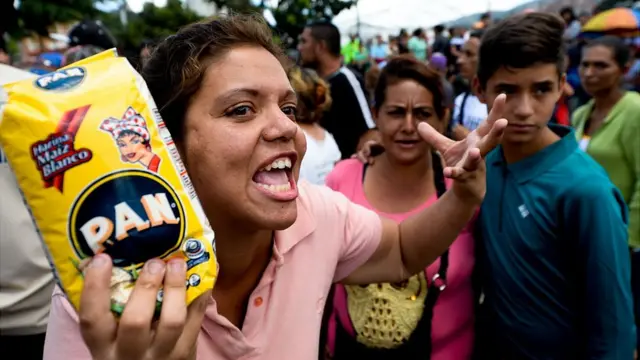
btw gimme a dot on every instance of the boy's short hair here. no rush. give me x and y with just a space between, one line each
522 41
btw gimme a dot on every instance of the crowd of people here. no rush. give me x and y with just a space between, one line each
472 196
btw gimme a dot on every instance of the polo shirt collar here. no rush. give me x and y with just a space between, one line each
535 165
304 226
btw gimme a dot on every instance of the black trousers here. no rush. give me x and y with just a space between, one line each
29 347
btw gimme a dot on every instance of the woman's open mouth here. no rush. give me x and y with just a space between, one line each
276 179
407 143
131 155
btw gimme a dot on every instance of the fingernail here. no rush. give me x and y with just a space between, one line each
99 260
177 266
154 266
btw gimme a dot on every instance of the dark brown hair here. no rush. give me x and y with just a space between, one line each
620 52
176 67
406 67
522 41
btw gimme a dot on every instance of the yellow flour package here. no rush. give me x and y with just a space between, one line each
101 174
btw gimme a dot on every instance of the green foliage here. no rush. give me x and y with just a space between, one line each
236 5
152 23
38 15
292 15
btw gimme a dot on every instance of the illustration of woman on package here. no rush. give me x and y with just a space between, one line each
132 138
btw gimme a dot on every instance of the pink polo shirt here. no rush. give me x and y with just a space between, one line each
452 327
330 238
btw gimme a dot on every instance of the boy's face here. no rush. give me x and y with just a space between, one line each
532 94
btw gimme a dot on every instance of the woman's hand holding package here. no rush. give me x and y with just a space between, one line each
464 158
136 336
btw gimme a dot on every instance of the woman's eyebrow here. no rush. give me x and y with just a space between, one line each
289 95
229 95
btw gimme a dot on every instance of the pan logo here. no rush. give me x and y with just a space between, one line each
131 215
61 80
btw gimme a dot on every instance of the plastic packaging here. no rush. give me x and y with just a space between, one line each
100 173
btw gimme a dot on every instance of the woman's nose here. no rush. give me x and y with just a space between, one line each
280 126
409 124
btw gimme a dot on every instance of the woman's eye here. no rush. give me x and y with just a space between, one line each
243 110
289 110
396 113
424 114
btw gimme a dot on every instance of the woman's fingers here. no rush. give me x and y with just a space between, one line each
470 163
134 330
97 323
186 346
434 138
492 139
496 113
473 160
173 315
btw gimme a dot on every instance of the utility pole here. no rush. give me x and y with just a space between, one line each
357 18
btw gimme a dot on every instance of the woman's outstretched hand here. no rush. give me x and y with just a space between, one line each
464 159
135 335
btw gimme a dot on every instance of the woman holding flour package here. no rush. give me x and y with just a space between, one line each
224 94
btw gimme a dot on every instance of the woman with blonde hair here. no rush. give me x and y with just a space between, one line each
314 99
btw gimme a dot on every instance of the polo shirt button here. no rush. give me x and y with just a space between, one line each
258 301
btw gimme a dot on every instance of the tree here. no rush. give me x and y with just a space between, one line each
291 15
237 5
38 15
152 23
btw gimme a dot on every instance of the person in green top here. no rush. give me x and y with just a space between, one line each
350 49
608 129
608 126
418 45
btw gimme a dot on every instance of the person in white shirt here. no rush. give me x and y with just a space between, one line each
26 279
313 100
468 111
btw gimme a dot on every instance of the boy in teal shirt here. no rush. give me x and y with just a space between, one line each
553 229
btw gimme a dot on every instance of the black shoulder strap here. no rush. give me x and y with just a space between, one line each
441 188
462 106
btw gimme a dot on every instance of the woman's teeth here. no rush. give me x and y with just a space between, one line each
281 163
277 188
